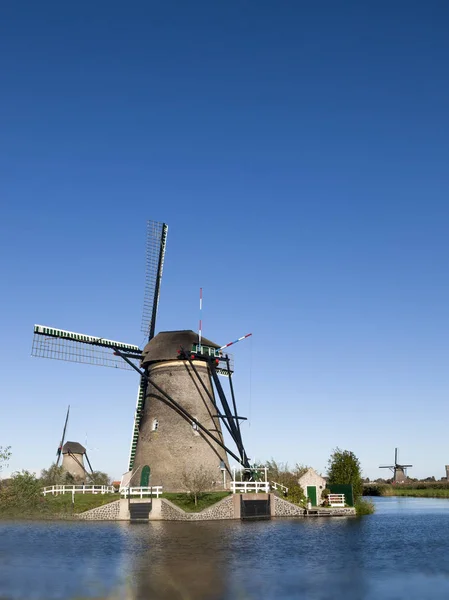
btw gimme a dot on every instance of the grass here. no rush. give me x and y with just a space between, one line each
364 507
54 507
187 503
414 489
83 502
427 493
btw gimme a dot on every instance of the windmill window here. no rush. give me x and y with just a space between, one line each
155 425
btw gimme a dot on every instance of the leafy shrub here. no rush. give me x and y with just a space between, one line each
23 490
296 494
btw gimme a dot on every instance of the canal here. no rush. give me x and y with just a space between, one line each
401 552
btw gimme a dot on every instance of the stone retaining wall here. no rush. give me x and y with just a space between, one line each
227 508
107 512
224 509
283 508
347 511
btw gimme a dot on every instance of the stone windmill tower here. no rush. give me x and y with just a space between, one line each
181 404
73 454
170 443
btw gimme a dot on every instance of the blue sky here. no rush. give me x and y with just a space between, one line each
298 153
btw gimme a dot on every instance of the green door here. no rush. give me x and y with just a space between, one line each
145 476
311 493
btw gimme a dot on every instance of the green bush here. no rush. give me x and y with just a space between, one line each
296 494
23 490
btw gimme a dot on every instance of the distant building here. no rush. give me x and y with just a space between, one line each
313 484
447 472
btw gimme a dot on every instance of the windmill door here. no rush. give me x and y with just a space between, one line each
311 493
145 476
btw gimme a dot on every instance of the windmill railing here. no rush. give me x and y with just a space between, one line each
78 489
248 487
278 486
141 491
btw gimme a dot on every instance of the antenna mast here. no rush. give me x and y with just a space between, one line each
200 323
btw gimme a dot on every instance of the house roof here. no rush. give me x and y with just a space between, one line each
312 472
73 448
165 345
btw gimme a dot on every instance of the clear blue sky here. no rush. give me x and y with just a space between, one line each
299 153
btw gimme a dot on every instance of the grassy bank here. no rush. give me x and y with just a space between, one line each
415 490
364 507
187 503
54 507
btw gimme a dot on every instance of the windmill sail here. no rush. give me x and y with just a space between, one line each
49 342
58 453
155 254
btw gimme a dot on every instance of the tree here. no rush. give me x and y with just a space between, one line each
197 482
344 468
280 472
100 478
55 475
296 494
5 455
23 490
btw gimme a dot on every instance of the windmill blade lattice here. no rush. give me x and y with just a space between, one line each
49 342
155 254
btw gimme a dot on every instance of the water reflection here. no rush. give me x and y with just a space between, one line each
179 560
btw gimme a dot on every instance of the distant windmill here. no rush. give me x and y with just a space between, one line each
73 454
399 471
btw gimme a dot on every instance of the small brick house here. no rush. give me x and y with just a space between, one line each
313 484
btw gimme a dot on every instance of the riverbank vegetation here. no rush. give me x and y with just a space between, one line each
21 494
416 489
364 507
21 497
281 473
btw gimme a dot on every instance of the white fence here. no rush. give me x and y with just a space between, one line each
155 490
279 486
336 500
78 489
246 487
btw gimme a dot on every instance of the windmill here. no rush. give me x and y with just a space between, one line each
73 454
181 405
399 471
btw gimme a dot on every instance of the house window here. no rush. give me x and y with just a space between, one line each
155 425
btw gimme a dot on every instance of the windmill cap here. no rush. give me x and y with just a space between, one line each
165 345
73 448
